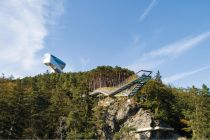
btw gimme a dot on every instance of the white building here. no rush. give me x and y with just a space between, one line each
55 64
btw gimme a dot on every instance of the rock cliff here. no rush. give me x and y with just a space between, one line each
125 119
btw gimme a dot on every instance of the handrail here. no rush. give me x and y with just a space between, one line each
133 77
146 71
124 85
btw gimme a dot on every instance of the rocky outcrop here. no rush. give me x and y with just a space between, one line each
116 114
125 119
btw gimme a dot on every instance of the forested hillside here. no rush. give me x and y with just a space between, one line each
59 105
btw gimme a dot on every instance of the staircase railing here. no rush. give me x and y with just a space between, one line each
140 78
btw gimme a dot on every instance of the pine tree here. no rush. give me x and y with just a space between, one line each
158 77
197 112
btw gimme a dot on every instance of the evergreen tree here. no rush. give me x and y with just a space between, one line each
158 77
197 113
54 106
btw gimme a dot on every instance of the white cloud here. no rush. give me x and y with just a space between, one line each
179 76
154 58
179 47
147 10
23 27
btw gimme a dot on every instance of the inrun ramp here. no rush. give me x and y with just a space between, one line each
127 88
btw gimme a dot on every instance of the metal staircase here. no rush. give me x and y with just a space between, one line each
140 83
135 85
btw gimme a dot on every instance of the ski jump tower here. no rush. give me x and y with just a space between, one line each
55 64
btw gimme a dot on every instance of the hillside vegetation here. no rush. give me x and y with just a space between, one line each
51 106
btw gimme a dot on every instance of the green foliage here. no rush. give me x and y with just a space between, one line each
195 109
187 110
52 106
158 77
57 106
158 98
124 133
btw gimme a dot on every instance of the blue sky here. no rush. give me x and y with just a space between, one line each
170 36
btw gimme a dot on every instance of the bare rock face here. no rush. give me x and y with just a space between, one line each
127 120
141 120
